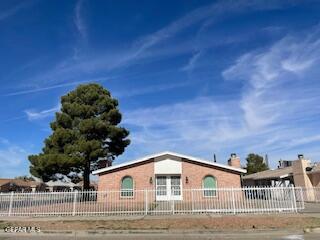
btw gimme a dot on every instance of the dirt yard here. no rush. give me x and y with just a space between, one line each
218 223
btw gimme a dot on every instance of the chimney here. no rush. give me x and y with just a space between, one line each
234 161
103 163
300 157
300 176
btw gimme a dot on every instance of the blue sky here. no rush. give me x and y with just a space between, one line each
196 77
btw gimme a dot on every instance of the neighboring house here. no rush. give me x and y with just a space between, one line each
298 173
19 185
53 186
169 174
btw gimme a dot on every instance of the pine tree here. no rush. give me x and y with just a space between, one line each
255 163
85 132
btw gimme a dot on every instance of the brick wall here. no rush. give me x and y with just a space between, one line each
196 173
112 182
140 173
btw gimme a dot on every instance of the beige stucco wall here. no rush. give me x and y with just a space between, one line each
300 176
301 179
315 179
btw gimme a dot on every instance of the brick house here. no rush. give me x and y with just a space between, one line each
169 174
20 185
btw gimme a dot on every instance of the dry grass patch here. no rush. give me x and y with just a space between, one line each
223 223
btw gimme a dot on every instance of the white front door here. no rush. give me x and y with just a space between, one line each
168 187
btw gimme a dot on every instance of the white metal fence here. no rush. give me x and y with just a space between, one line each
311 195
146 202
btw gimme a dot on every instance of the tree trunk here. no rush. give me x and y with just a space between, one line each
86 176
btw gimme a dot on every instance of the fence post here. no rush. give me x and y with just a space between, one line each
146 202
294 206
172 206
192 201
75 193
233 201
10 204
302 198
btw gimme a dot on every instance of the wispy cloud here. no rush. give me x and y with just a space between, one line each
146 47
275 77
192 62
78 20
42 89
11 158
280 93
36 115
275 113
213 12
194 126
11 119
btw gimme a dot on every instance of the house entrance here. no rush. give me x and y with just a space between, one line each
168 187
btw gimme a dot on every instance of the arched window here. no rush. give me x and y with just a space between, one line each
209 186
127 187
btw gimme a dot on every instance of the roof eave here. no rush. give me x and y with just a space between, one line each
167 153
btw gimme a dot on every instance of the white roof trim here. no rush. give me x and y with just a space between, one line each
286 175
168 153
60 184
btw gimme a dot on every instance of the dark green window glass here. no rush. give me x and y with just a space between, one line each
209 185
127 187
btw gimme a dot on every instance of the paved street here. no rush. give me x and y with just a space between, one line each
276 235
